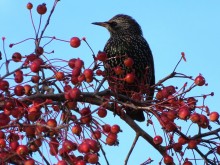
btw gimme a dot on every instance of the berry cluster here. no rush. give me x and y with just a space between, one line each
59 105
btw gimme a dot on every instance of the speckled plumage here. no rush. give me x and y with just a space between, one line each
126 40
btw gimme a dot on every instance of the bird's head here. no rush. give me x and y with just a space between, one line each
121 24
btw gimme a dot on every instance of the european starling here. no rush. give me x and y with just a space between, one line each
126 41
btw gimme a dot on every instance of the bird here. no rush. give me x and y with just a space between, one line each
127 41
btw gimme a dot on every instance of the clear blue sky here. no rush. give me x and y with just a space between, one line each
170 27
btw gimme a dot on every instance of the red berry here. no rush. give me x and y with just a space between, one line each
106 128
71 63
53 151
35 67
187 163
129 78
74 80
84 147
27 89
59 76
29 162
81 78
182 140
67 88
74 93
171 89
61 162
102 56
158 140
52 123
159 95
69 146
2 143
111 139
102 112
88 73
2 135
93 158
86 117
39 51
76 129
16 57
4 119
94 146
214 116
29 6
80 162
4 85
128 62
32 57
76 72
96 134
54 143
171 115
170 127
75 42
115 129
168 159
118 70
192 144
35 79
195 117
22 150
99 72
218 150
184 113
200 80
18 73
30 131
19 90
191 101
42 9
19 78
203 121
177 147
14 145
79 63
9 104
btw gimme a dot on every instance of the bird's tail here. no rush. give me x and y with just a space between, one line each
135 114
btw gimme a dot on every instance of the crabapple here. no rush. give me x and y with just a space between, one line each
158 140
199 80
75 42
42 9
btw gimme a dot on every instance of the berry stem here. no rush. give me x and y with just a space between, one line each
48 21
32 21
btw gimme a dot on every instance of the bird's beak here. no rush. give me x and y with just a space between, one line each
104 24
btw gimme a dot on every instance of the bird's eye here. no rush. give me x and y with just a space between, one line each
113 24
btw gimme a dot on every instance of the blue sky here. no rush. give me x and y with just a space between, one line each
170 27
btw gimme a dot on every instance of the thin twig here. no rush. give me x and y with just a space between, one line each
132 147
41 154
48 21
